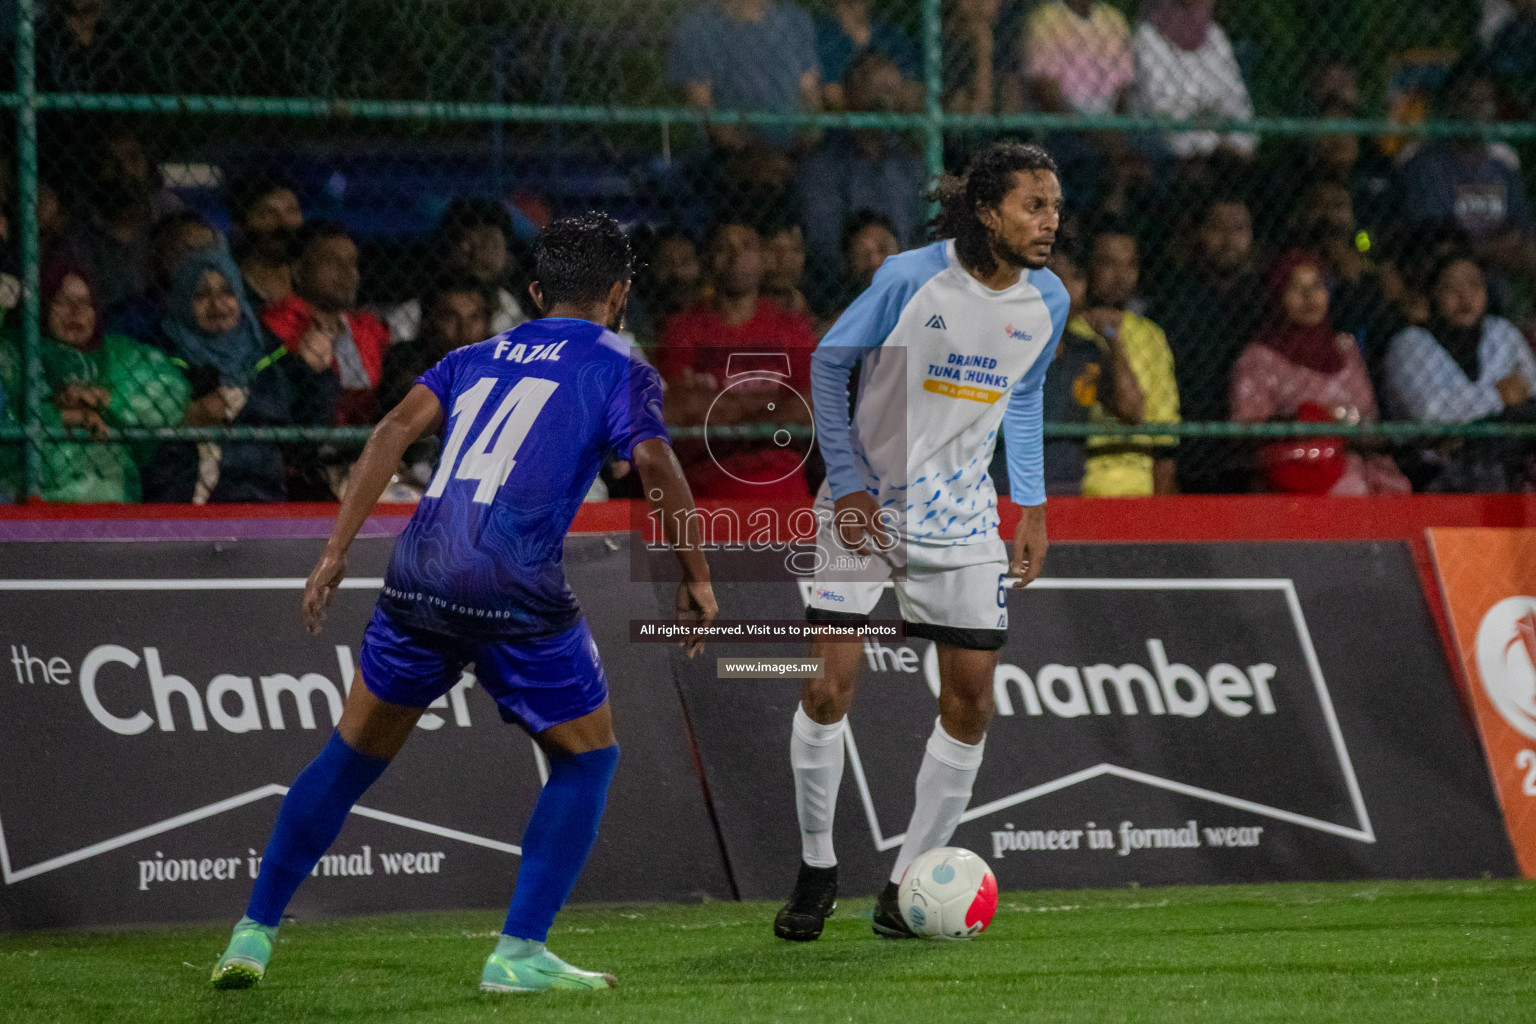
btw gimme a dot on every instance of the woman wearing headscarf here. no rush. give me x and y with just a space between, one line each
1463 366
1185 69
240 375
93 380
1300 368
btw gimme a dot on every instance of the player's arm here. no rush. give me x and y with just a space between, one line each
419 412
667 491
863 326
1024 441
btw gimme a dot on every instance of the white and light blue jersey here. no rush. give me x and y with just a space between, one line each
946 363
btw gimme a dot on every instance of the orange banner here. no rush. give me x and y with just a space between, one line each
1489 581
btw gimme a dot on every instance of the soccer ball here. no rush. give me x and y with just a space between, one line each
948 893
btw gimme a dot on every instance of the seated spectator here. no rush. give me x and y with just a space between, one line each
1211 308
1298 358
1085 383
849 31
171 238
1464 366
746 55
859 170
1130 466
80 50
96 381
322 311
667 282
1077 57
472 238
456 312
240 375
784 264
973 62
53 217
1185 70
867 242
123 200
1324 224
1470 182
1334 85
266 216
1338 158
695 359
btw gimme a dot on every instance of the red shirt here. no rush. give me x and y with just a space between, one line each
774 341
698 338
291 318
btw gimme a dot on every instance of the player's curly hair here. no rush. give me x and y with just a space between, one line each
987 179
578 259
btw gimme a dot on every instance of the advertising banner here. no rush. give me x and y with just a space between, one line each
1489 581
157 698
1165 713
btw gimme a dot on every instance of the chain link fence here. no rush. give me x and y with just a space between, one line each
1297 231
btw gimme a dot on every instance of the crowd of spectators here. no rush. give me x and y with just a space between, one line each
1326 279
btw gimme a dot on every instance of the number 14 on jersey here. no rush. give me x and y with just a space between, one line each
491 458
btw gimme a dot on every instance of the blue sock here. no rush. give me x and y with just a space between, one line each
559 838
313 812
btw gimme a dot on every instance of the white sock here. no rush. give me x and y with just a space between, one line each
816 754
943 790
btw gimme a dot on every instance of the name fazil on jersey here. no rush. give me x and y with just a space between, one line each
527 353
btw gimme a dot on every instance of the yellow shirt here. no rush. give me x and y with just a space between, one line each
1123 469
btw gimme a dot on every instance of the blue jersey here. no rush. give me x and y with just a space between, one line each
530 416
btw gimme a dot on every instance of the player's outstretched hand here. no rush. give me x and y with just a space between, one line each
1029 547
321 586
856 518
695 604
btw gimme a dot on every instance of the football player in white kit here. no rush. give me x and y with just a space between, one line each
952 342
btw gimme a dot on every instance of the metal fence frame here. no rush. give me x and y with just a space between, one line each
932 123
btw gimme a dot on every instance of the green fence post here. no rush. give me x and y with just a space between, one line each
26 160
933 89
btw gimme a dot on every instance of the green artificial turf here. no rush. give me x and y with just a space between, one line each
1395 952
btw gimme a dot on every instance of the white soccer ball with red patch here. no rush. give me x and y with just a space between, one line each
948 893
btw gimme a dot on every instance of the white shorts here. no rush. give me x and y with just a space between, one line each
954 594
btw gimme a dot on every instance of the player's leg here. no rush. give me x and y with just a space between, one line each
969 605
816 744
371 732
816 754
557 690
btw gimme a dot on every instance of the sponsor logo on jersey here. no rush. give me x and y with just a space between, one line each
971 377
936 322
823 594
1018 335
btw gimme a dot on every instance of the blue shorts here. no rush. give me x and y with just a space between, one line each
535 683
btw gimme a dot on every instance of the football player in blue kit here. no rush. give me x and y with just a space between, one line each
530 415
